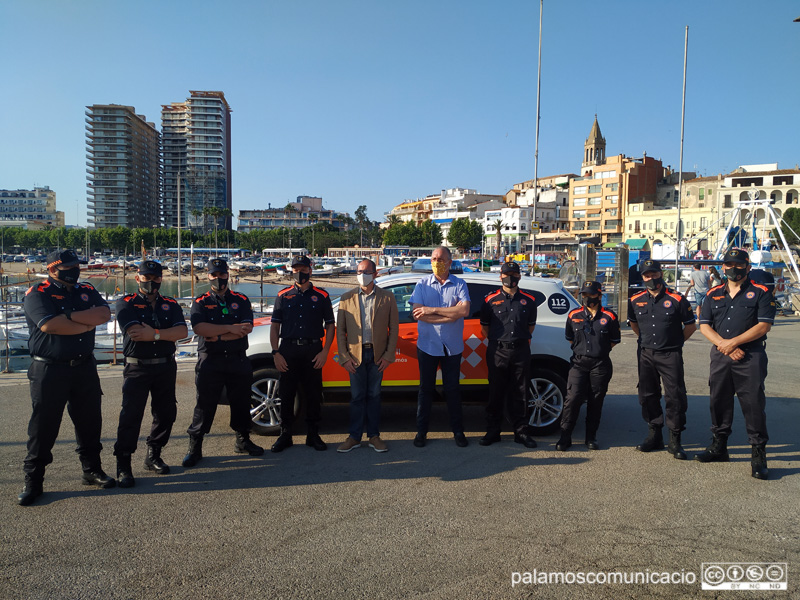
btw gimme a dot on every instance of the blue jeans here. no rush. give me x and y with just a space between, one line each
451 373
365 391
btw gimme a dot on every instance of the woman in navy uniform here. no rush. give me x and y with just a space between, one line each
592 331
223 318
736 317
152 323
62 315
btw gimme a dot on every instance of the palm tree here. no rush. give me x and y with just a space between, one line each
498 224
313 217
214 212
393 220
196 213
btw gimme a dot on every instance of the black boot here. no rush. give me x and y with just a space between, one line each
283 442
195 451
491 437
31 491
716 452
591 438
674 446
564 442
245 446
313 440
759 461
653 441
124 471
99 478
153 462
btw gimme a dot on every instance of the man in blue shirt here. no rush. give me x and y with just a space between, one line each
439 304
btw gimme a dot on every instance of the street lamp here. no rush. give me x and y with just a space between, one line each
155 227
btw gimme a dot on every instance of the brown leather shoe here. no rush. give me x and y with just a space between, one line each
349 444
377 444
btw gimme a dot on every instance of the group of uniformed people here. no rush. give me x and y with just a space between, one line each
62 315
735 316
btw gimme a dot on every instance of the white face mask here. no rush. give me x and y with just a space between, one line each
364 279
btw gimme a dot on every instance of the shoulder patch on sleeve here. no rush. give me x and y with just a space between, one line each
609 313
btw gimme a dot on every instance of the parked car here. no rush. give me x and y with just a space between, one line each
550 352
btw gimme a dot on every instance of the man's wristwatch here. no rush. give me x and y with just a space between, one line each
157 335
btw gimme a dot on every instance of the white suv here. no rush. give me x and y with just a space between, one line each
550 352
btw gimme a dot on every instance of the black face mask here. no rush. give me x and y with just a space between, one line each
149 287
69 275
219 284
301 277
736 273
652 284
590 302
510 282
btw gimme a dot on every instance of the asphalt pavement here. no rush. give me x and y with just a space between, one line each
436 522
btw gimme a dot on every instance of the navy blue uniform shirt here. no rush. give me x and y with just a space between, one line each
49 299
730 317
508 317
660 318
592 336
232 308
303 315
135 309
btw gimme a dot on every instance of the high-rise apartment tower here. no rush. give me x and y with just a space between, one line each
124 166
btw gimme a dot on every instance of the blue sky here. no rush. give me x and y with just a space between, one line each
374 102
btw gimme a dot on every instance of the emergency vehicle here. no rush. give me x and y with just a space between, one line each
550 353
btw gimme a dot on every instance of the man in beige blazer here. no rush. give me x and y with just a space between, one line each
366 331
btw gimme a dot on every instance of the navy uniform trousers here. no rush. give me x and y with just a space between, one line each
656 366
213 373
54 386
139 381
587 382
745 378
301 376
509 378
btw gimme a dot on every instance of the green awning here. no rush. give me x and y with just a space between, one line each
610 245
637 244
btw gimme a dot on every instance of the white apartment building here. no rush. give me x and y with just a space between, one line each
123 153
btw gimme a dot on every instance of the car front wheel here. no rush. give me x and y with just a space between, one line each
546 393
265 402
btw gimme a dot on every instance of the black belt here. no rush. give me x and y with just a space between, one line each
225 353
148 361
301 341
68 363
512 343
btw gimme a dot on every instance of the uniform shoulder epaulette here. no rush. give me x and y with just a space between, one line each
85 285
38 287
763 288
528 295
202 296
242 296
638 295
285 290
574 311
168 299
491 295
716 287
677 295
320 290
127 297
610 313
